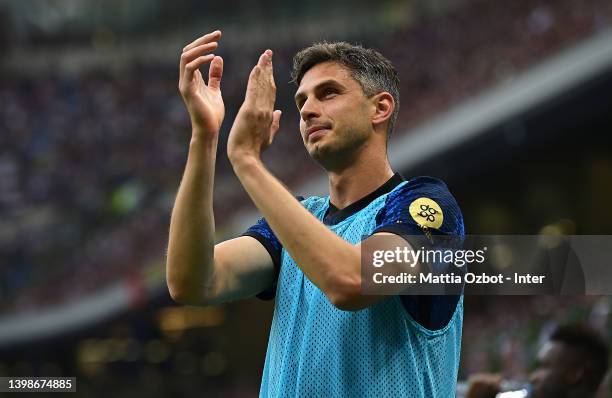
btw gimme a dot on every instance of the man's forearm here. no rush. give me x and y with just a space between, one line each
330 262
190 259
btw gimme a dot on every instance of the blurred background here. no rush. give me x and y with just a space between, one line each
509 102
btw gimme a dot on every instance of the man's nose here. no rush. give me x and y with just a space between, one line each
310 109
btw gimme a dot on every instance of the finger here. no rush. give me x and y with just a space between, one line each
198 75
215 73
265 59
194 65
264 77
188 56
271 70
267 65
276 115
261 60
213 36
269 78
251 91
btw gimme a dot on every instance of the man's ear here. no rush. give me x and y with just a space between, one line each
383 105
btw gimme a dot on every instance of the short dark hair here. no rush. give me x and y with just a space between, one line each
590 344
368 67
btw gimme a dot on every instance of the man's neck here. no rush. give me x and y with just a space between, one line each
348 185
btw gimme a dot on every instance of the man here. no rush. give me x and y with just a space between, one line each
571 364
327 338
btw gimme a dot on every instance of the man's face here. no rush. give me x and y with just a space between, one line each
335 114
551 378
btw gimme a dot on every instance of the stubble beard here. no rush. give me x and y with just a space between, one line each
338 153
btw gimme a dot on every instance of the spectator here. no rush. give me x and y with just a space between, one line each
571 364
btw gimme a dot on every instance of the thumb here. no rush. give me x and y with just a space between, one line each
215 73
276 115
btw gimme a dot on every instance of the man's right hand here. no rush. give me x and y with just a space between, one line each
203 101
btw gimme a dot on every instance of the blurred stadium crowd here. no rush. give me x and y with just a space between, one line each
90 164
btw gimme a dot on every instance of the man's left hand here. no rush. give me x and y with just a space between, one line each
257 122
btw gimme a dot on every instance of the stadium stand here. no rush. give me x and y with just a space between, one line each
90 162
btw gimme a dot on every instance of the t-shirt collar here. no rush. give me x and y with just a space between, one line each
333 215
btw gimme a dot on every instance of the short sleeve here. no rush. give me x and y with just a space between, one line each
263 233
424 206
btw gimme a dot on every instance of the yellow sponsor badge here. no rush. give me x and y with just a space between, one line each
427 213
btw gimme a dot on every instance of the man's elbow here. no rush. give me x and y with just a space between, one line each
345 294
183 288
186 294
182 296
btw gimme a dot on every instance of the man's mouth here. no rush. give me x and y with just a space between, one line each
315 132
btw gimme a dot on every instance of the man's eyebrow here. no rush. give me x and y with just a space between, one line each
328 82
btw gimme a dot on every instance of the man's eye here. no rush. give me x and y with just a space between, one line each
329 91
